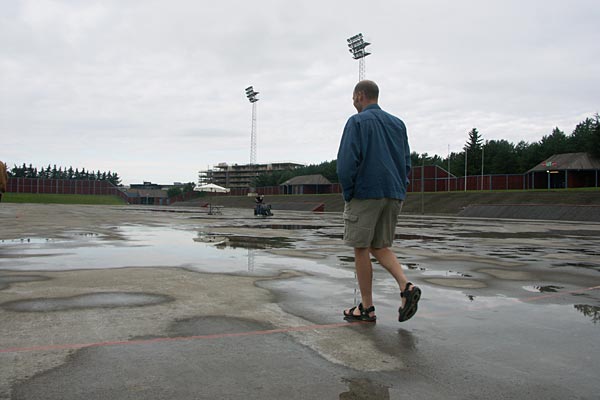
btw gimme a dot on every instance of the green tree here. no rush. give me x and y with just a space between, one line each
555 143
174 191
594 140
189 187
473 148
114 179
48 173
500 157
582 137
275 178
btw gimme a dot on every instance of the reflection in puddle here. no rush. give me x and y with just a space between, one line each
579 265
400 236
446 273
146 246
27 240
286 227
543 289
428 272
589 311
244 242
349 259
253 242
213 239
136 246
251 262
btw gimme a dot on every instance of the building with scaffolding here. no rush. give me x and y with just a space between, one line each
241 175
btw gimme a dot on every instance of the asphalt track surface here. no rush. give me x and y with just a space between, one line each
148 303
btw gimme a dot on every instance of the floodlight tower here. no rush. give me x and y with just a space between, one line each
251 94
358 49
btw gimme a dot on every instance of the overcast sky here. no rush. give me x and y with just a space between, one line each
154 90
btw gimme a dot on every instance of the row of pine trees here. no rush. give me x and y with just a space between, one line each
52 172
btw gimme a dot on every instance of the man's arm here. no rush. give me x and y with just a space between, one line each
407 160
349 158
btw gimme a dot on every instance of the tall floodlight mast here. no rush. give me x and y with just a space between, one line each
251 94
358 49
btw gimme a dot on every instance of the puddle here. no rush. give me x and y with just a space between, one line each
95 300
457 283
503 235
144 246
507 275
445 273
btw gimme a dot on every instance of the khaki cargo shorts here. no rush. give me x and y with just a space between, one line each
371 222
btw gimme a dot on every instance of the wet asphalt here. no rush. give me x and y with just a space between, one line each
138 303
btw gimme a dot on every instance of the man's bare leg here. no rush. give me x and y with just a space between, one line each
364 275
388 260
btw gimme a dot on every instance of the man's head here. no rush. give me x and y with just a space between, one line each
365 93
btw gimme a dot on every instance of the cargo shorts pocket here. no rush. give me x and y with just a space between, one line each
350 217
354 234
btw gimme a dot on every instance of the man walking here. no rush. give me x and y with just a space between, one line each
372 165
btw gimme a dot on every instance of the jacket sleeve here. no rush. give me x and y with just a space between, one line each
349 158
408 161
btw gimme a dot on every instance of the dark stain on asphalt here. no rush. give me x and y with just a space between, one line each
7 280
84 301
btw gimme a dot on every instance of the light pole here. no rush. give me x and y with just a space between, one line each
358 49
448 172
466 151
251 94
482 167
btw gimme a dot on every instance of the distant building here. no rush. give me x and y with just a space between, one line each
146 196
146 185
241 175
155 186
562 171
306 184
149 193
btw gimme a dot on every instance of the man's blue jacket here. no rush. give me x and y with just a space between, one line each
373 160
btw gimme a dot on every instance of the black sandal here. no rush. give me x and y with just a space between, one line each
412 300
364 314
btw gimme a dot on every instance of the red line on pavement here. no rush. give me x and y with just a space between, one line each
177 339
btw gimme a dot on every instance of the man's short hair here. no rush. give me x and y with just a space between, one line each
368 88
